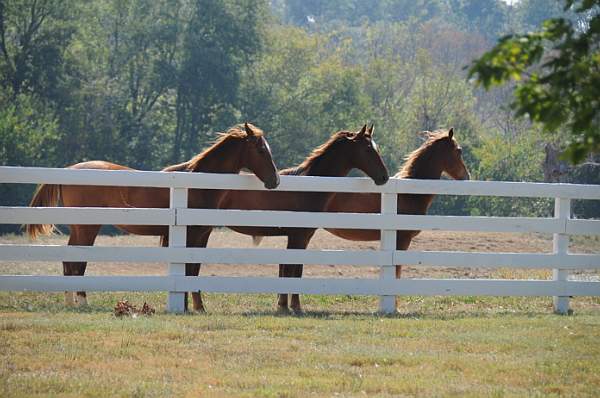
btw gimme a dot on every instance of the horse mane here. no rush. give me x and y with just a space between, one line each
413 160
317 152
236 132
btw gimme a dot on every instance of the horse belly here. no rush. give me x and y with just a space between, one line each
148 230
355 234
267 231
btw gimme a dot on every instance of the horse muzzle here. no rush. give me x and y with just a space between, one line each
273 183
382 180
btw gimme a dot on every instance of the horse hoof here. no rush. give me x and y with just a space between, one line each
81 301
297 311
281 310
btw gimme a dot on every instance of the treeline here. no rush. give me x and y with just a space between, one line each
146 83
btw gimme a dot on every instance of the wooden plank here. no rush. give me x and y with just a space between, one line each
177 239
86 215
481 224
497 188
183 255
221 217
295 256
37 175
583 227
497 260
42 175
87 283
562 212
141 216
387 272
421 287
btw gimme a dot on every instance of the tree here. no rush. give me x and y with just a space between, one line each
557 74
33 37
220 39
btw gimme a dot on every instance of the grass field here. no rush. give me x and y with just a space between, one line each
435 346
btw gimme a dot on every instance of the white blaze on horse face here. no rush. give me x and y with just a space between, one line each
266 144
374 145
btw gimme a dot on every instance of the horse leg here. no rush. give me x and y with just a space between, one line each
402 243
81 235
197 237
282 298
297 241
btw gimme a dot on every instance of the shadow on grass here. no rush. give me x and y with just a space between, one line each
416 308
57 308
415 315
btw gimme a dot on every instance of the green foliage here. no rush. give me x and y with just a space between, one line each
503 158
219 39
302 94
559 86
29 136
33 39
147 83
28 132
354 12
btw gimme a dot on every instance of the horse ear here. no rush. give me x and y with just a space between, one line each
248 129
451 132
370 131
362 131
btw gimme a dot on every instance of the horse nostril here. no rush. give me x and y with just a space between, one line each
272 183
382 180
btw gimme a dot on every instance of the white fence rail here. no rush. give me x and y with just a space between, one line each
178 217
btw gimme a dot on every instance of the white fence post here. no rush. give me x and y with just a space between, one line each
562 211
389 206
177 238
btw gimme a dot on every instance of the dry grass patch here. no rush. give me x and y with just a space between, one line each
237 350
435 346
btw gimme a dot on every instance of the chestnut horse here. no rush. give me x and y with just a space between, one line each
439 154
241 147
335 158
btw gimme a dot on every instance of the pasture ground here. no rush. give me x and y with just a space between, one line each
435 346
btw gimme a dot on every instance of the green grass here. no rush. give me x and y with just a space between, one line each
451 346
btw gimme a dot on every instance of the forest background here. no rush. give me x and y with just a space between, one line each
147 83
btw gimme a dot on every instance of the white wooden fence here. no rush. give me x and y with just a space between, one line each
178 217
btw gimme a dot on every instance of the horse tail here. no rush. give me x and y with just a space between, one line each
256 240
45 196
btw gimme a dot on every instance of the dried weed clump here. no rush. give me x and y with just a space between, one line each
124 308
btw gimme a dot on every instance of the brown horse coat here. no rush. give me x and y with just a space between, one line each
439 154
241 147
335 158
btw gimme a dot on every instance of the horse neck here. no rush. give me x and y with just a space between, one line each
423 168
224 158
330 164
